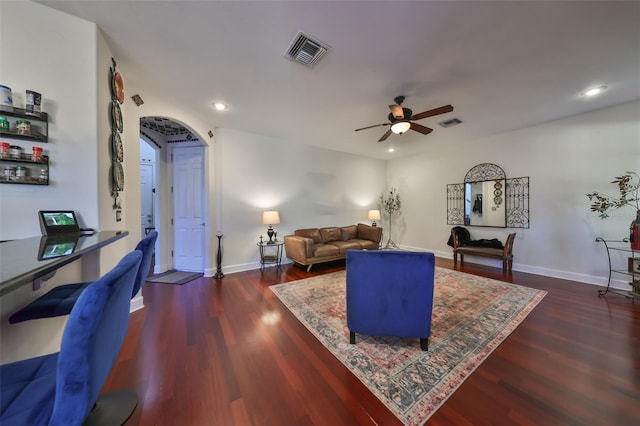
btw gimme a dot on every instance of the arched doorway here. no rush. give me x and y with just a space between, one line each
177 193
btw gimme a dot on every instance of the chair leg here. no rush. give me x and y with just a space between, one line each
424 344
309 268
455 258
352 337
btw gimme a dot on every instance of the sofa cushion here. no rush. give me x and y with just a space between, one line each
371 233
313 233
349 232
366 244
324 250
330 234
343 246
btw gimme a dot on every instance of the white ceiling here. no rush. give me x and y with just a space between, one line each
502 65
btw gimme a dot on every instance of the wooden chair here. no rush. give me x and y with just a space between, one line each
506 254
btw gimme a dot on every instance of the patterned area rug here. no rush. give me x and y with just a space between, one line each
471 316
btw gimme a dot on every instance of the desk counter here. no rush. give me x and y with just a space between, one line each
23 261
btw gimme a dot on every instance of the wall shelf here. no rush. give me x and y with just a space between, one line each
39 125
33 174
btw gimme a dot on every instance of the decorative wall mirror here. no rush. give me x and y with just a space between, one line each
488 198
483 196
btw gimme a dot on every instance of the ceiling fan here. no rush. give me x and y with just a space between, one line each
401 119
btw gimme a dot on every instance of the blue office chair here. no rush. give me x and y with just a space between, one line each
390 293
63 388
59 300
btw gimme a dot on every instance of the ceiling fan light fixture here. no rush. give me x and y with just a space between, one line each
400 127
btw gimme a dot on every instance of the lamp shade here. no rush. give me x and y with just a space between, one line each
270 217
374 214
400 127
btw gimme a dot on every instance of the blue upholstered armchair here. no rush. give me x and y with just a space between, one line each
63 388
390 293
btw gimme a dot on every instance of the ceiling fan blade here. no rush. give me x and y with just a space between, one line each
375 125
385 136
420 128
432 112
396 111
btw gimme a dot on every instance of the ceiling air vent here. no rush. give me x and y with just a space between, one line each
305 50
450 123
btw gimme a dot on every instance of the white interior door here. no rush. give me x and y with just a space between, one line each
146 197
188 209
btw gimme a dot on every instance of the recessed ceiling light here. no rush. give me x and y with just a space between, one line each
594 91
391 150
219 106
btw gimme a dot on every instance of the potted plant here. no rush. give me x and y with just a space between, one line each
628 188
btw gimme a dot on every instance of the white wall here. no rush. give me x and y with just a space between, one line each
55 55
564 159
248 173
310 187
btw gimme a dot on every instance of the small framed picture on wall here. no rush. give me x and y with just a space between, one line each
634 265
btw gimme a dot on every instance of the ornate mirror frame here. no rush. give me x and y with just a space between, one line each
514 195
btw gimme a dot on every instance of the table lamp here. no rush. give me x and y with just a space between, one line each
374 215
270 217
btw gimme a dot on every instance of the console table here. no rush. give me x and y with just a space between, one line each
627 268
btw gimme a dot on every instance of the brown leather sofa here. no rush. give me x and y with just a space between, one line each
316 245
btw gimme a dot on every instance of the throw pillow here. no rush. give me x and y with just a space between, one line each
312 233
349 232
330 234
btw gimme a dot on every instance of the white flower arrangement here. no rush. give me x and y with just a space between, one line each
390 203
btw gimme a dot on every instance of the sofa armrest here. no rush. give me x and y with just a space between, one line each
371 233
300 248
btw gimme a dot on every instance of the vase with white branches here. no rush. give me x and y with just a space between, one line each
390 204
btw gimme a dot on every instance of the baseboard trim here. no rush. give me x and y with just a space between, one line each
536 270
137 303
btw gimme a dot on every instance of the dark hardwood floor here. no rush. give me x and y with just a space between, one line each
227 352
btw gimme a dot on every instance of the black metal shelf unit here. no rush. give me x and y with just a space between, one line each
39 125
634 257
36 176
22 168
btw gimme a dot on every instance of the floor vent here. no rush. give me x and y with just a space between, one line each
450 122
305 50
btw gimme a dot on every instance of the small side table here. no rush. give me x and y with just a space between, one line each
270 253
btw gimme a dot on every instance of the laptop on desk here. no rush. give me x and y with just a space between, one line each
61 233
61 222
